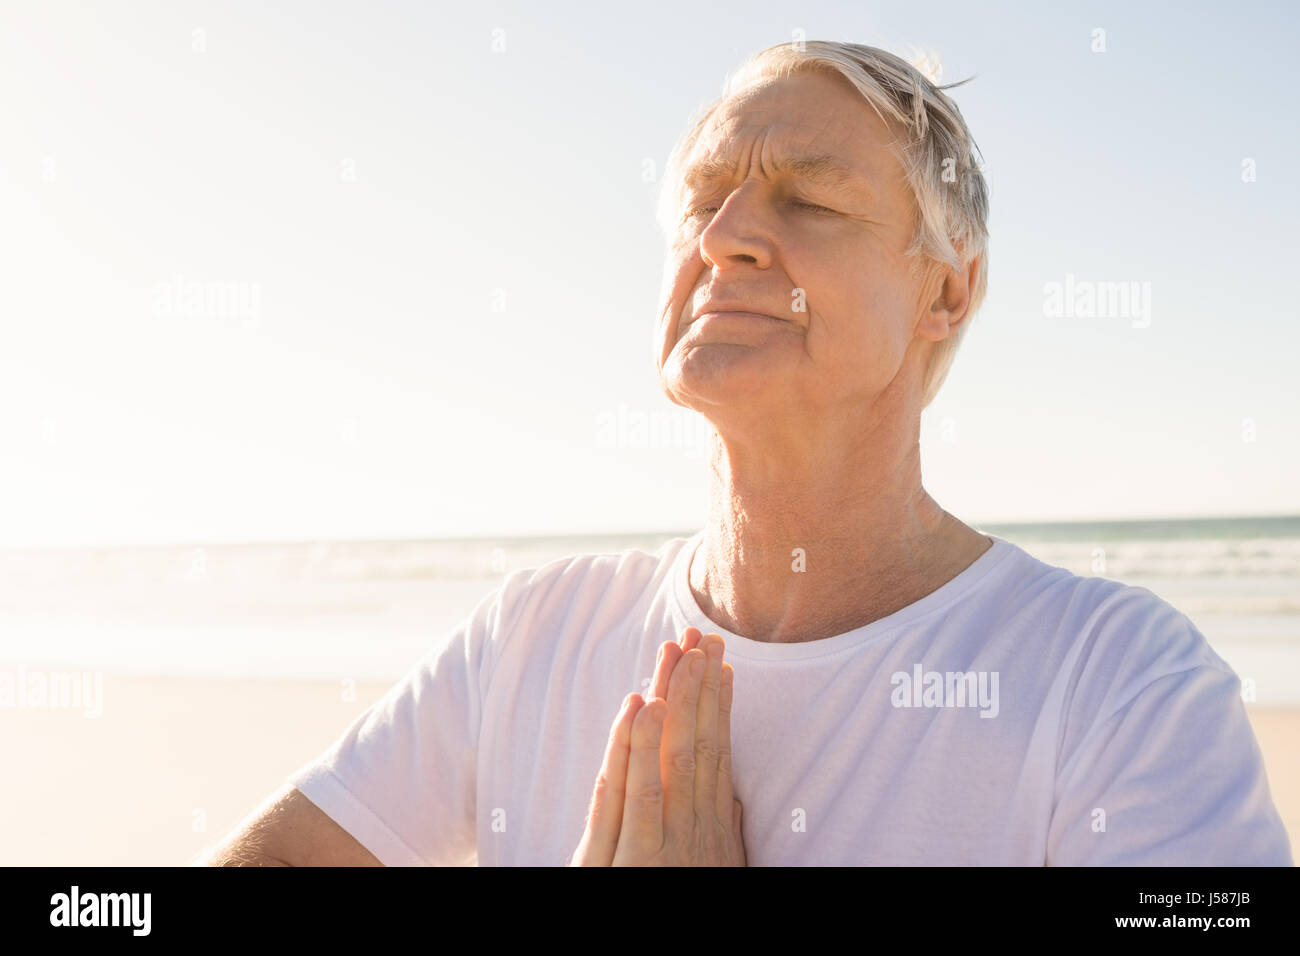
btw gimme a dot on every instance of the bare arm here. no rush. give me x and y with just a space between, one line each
288 830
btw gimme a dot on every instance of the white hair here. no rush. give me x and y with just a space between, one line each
938 157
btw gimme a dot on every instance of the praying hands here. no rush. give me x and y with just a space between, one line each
664 795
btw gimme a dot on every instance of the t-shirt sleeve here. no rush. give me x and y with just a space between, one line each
1164 769
401 778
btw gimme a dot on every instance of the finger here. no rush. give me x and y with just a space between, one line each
725 792
642 833
605 816
737 825
691 637
677 757
706 729
670 653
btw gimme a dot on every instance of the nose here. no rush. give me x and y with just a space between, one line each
736 232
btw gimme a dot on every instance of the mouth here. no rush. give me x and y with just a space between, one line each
737 315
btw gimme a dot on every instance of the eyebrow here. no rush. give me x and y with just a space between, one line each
821 169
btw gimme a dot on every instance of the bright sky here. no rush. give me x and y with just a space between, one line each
428 269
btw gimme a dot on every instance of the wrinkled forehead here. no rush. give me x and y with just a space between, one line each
790 118
767 107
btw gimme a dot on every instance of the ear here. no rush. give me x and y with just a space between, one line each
948 294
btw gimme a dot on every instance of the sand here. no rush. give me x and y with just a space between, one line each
173 764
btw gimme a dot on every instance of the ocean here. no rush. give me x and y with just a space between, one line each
368 610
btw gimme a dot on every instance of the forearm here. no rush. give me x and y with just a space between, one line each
238 853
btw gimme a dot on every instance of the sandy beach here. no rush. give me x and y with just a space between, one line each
172 764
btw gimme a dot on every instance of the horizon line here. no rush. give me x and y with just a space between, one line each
543 535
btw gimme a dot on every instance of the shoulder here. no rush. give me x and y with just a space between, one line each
1140 655
1109 639
1135 638
1103 617
1024 590
625 570
586 584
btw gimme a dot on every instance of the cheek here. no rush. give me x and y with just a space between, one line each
858 324
682 274
668 277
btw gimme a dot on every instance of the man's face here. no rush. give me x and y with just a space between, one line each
758 234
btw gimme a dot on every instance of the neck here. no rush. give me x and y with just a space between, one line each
840 534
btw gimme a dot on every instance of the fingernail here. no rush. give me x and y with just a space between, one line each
697 667
657 712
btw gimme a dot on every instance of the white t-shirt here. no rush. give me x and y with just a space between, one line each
1073 721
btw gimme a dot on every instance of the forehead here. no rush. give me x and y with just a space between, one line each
809 125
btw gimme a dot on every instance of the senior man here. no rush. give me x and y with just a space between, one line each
899 688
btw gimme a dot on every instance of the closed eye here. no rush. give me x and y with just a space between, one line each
809 205
690 213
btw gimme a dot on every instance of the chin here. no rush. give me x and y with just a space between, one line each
698 384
